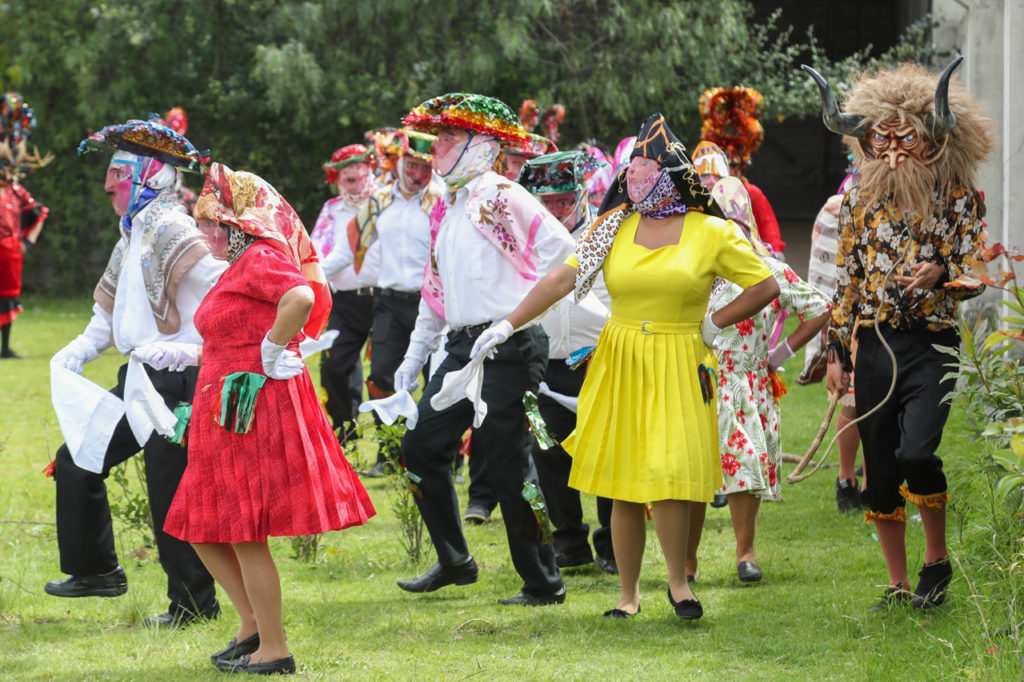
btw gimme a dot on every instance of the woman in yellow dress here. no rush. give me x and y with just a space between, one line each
646 429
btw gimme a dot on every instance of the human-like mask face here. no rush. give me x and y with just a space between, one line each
513 165
893 143
352 179
447 148
216 237
561 205
118 186
641 176
415 174
709 181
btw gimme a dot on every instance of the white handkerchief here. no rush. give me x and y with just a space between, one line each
468 382
87 415
389 409
143 406
310 347
569 402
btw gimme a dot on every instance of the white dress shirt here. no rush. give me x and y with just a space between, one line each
403 235
571 326
480 284
339 264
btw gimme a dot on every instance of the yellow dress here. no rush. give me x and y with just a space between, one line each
643 431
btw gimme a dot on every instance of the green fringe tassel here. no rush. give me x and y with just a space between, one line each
414 482
238 400
536 502
183 411
536 421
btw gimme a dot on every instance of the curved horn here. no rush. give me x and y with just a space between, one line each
842 124
942 121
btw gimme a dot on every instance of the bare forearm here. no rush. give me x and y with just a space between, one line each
806 331
747 303
544 294
292 312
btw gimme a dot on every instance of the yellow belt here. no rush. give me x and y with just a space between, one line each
652 327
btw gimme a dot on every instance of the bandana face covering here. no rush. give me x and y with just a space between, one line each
662 201
359 173
476 158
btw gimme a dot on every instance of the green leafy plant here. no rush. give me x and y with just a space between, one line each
404 491
131 504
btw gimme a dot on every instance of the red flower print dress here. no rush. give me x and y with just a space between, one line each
748 414
287 475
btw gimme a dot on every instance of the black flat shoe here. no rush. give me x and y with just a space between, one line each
893 597
282 666
689 609
580 557
691 578
112 584
748 572
607 565
720 501
619 613
236 649
931 589
439 576
527 599
180 619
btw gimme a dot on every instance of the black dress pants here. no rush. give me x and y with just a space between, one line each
352 316
900 439
85 536
503 439
394 318
554 464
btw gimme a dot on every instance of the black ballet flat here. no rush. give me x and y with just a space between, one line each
689 609
619 613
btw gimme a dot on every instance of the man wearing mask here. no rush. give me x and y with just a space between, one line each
157 275
490 242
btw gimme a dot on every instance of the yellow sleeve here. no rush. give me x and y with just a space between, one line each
572 262
735 259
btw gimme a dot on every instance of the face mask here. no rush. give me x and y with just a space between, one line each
474 158
640 189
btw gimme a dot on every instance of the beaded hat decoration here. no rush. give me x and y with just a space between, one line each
471 112
349 155
530 114
558 172
709 159
409 142
534 146
731 120
149 138
16 119
176 119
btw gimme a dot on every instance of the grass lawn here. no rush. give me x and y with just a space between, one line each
347 620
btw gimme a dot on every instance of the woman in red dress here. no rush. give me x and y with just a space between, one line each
262 458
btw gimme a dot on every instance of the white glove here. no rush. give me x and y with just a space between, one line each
168 355
406 376
75 355
709 331
278 362
494 336
778 355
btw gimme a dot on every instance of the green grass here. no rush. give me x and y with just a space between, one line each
346 619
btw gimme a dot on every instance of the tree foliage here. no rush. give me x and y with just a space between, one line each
274 86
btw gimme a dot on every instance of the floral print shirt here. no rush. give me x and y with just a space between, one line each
872 239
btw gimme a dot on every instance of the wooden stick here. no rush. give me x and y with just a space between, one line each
795 477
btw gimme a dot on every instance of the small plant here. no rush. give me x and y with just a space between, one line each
305 547
404 491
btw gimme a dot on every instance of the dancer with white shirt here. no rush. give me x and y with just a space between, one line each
490 241
351 280
157 275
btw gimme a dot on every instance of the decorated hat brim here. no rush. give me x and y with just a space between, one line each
146 138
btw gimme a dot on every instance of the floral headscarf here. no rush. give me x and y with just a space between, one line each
244 201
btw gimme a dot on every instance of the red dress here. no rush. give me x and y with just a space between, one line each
16 206
287 475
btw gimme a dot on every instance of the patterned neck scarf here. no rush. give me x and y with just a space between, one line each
238 242
662 201
477 158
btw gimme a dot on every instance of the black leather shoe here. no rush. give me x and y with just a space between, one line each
748 572
477 515
180 619
619 613
847 495
438 576
691 578
579 557
893 597
526 599
282 666
720 501
931 589
235 649
112 584
607 565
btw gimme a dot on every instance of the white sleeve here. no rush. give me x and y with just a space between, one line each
98 334
339 258
427 334
552 246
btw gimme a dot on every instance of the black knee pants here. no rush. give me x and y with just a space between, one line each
554 464
900 439
85 535
503 439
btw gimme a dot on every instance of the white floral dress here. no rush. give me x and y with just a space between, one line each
748 412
